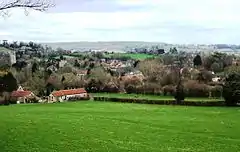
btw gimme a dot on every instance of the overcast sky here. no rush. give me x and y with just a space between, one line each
171 21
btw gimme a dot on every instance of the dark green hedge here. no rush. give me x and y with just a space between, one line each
160 102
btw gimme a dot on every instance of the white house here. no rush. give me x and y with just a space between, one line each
82 74
62 63
64 95
216 79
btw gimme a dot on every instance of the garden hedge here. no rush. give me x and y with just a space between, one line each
160 102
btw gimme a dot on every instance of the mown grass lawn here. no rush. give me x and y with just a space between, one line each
116 127
151 97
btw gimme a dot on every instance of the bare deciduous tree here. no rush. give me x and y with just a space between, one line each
38 5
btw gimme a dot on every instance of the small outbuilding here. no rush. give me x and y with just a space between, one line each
66 95
23 96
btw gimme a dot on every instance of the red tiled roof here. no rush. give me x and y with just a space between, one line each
20 93
68 92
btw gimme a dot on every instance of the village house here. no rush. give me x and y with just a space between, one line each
134 75
81 74
65 95
216 79
62 63
115 64
22 96
52 68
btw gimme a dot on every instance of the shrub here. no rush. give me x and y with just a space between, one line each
160 102
186 73
78 98
131 84
111 88
168 90
204 76
231 89
130 89
195 89
169 79
34 100
93 86
216 91
149 88
12 101
217 67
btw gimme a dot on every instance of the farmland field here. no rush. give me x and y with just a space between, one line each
151 97
101 127
136 56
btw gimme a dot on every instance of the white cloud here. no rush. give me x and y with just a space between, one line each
3 33
134 2
173 21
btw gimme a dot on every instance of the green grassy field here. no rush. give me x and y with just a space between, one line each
139 56
114 127
150 97
136 56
